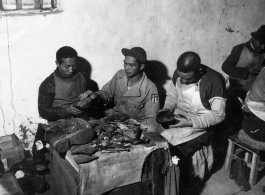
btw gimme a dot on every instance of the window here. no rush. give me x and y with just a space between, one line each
28 6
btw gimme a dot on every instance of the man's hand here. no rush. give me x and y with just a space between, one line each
84 103
254 70
183 122
164 109
73 111
86 94
94 97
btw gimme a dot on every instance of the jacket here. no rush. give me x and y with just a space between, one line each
47 94
229 65
140 102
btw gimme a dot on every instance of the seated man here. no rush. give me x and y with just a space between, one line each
132 92
59 94
254 110
253 124
197 97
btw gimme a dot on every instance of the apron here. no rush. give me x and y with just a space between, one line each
67 91
189 105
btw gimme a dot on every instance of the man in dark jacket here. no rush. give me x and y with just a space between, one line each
242 66
59 94
245 62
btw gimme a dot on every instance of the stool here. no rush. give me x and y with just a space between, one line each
254 164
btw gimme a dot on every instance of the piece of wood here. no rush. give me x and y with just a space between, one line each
9 185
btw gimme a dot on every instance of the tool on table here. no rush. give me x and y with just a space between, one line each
118 149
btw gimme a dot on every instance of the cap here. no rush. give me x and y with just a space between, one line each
259 34
136 52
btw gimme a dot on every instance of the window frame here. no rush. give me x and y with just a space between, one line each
38 9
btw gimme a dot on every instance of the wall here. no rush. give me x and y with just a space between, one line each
98 30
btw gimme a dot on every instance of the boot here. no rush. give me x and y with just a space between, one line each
239 174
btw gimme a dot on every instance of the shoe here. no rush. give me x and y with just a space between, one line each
239 175
63 137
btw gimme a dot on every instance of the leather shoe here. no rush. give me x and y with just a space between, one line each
239 175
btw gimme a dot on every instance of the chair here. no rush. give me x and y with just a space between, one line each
252 148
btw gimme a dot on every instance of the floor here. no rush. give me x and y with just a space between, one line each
219 183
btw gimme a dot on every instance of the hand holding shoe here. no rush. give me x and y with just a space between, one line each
72 110
84 103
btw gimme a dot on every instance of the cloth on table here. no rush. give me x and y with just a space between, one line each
113 170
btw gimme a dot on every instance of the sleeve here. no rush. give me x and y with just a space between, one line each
107 92
171 97
213 117
45 99
229 65
216 94
151 108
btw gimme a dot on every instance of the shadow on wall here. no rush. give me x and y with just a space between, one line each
84 66
157 72
94 112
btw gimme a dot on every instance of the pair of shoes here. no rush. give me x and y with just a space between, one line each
239 175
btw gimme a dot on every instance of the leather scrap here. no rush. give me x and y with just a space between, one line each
82 158
82 149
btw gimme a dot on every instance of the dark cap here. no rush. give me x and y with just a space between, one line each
136 52
259 34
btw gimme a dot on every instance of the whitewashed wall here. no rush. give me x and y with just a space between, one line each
98 29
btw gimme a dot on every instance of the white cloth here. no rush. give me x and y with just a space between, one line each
257 108
199 159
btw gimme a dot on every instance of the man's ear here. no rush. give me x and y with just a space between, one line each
142 66
57 63
201 70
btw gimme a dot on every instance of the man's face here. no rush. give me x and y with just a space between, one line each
258 46
188 77
131 67
68 67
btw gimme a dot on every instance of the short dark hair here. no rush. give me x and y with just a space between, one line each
189 62
65 52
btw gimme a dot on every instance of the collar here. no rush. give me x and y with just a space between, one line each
58 74
249 45
135 90
179 84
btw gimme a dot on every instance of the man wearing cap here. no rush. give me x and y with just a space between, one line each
242 66
245 62
197 98
131 91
